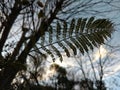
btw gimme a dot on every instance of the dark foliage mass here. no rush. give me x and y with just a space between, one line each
63 83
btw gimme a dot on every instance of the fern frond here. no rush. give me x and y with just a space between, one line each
86 41
71 46
64 48
58 28
92 40
64 29
83 24
89 23
72 25
57 52
49 52
38 51
78 25
64 36
78 45
50 32
83 44
51 40
82 34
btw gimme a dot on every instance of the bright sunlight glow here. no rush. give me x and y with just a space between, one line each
101 53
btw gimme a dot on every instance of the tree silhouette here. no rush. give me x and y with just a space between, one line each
36 22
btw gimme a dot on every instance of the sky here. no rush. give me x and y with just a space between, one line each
112 64
111 60
111 56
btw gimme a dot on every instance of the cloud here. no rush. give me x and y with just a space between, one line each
100 53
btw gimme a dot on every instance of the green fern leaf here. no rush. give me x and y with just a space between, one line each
78 25
72 25
92 40
78 45
50 35
83 24
49 53
89 23
97 38
57 52
38 51
59 43
83 35
64 48
64 29
58 28
86 41
81 41
71 46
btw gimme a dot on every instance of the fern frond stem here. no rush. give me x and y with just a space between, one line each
92 65
55 42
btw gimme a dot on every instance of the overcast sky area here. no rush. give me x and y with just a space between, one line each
110 53
110 11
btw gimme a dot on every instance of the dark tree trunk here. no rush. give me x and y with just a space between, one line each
7 76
